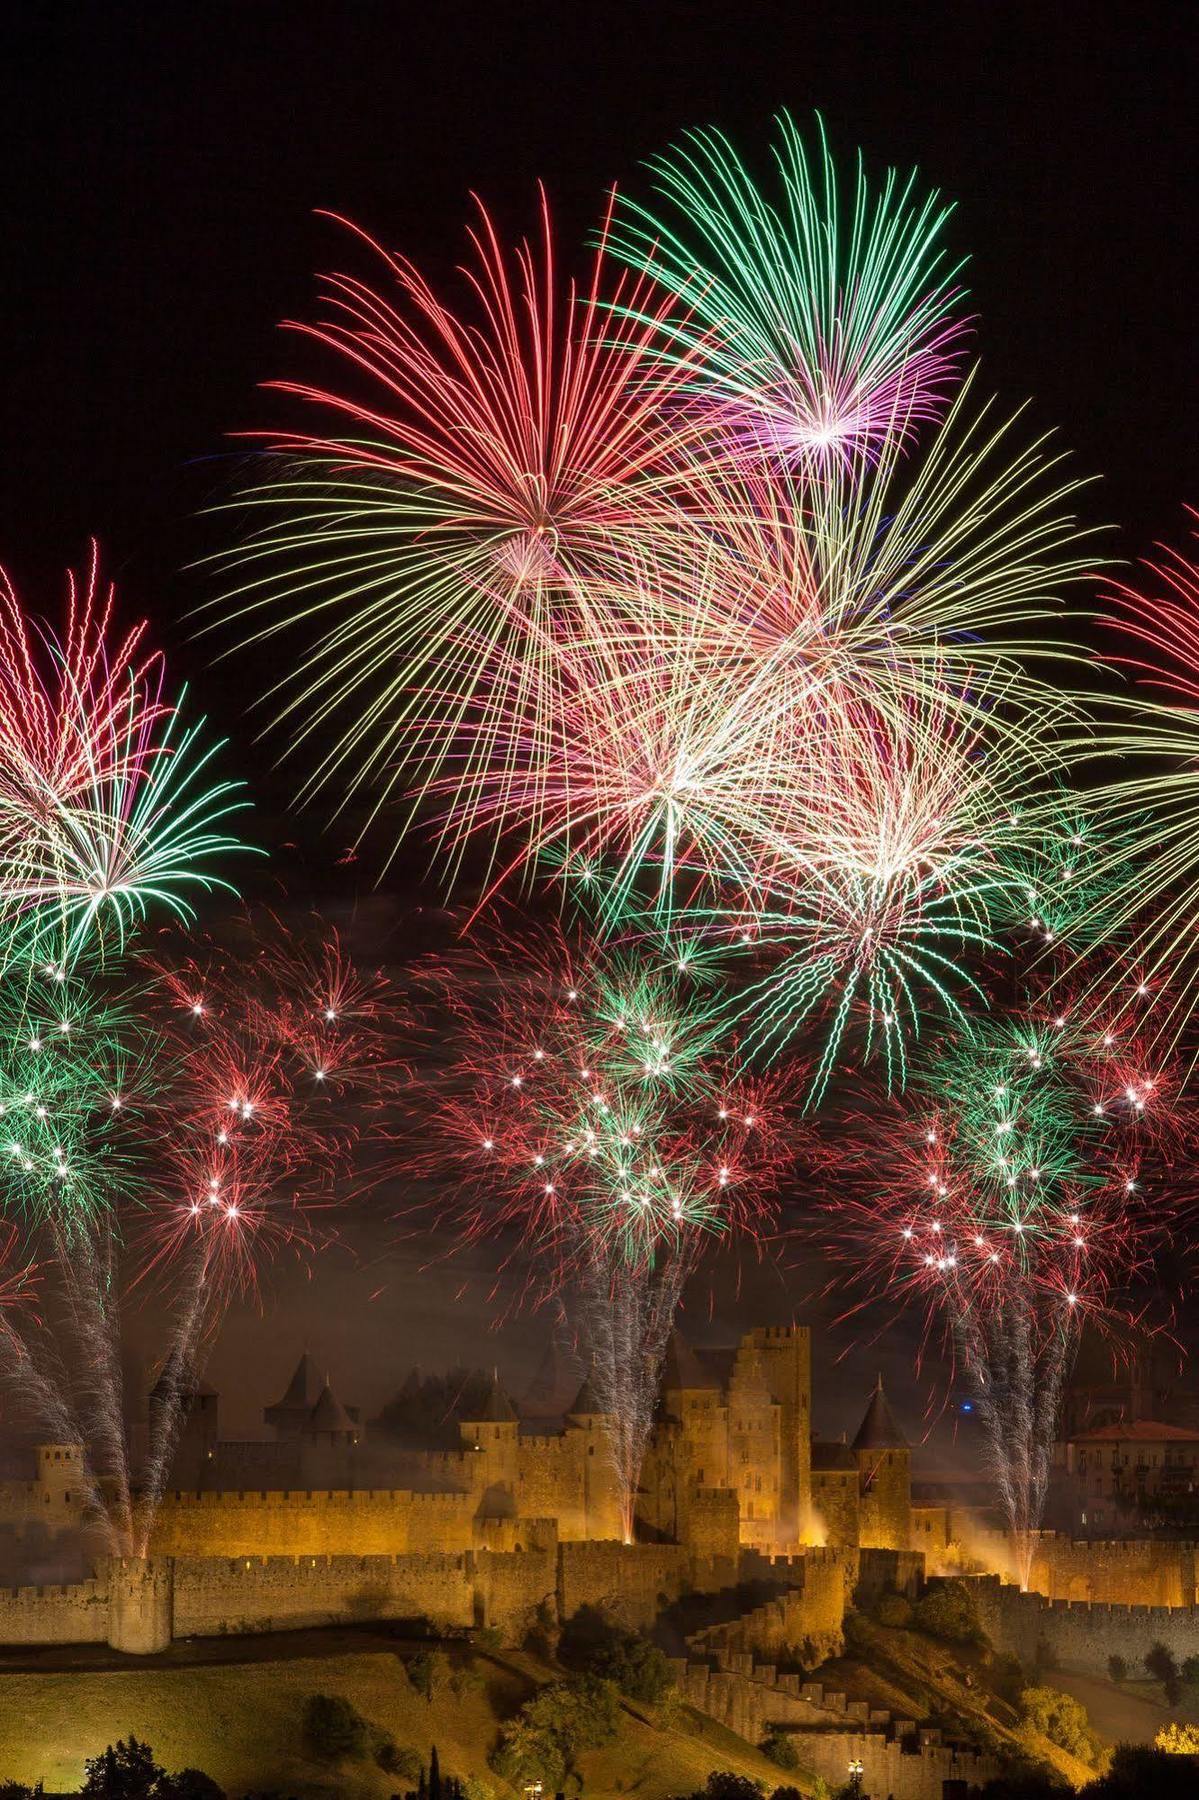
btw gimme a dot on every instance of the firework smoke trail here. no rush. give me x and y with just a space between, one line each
627 1323
589 1109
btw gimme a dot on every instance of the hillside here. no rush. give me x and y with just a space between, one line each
241 1723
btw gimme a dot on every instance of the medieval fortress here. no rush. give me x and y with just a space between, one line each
515 1525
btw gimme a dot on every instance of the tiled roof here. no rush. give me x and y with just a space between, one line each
1141 1431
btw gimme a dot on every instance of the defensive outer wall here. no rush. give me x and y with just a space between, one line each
1081 1635
140 1605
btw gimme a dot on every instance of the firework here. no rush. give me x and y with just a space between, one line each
825 330
433 553
1005 1198
184 1122
107 807
590 1113
1153 797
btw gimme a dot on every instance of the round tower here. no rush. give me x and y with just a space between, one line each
884 1460
141 1604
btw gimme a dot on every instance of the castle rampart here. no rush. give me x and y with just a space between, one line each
1081 1635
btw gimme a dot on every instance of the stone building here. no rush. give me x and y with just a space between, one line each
1121 1476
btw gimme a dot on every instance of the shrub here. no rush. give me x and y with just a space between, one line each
1178 1740
1063 1720
332 1728
1160 1663
780 1748
489 1637
790 1793
949 1611
1190 1671
722 1784
188 1784
397 1759
857 1634
1117 1668
1007 1678
1045 1656
894 1611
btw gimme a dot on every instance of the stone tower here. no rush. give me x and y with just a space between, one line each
601 1497
493 1437
784 1355
884 1460
183 1406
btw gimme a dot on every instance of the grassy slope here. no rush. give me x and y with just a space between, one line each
240 1722
914 1676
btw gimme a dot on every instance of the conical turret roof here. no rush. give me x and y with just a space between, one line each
305 1387
497 1409
682 1371
329 1414
587 1403
878 1430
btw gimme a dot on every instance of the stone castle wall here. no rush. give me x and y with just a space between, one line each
1134 1572
898 1758
75 1614
1081 1635
381 1522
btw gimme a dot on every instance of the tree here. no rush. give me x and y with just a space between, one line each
779 1746
1140 1773
434 1775
1062 1719
331 1728
1117 1668
429 1672
894 1610
1190 1671
556 1725
16 1790
949 1611
126 1770
1162 1666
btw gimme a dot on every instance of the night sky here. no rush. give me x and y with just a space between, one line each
160 173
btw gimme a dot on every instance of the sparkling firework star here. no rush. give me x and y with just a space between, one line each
588 1110
1154 800
1004 1198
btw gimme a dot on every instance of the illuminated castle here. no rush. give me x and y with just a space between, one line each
731 1464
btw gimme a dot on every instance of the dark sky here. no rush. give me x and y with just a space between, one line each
161 166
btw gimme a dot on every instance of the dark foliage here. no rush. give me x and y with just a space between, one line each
331 1728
